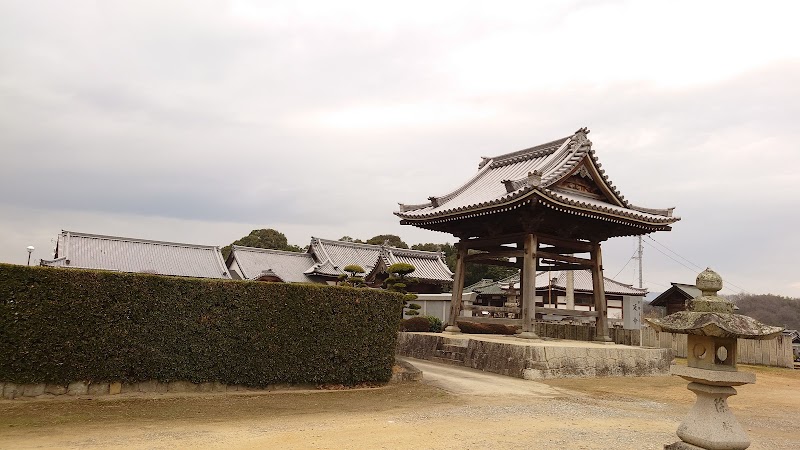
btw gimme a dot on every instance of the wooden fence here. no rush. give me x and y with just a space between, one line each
772 352
573 332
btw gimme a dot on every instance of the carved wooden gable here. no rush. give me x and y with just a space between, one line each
586 182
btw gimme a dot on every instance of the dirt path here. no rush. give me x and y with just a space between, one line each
470 382
487 412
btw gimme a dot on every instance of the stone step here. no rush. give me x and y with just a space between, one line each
452 362
454 348
461 343
456 356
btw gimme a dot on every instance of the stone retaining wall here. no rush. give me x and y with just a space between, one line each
535 360
11 391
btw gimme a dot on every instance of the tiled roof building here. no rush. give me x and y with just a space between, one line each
552 291
326 259
676 297
250 263
583 283
332 256
121 254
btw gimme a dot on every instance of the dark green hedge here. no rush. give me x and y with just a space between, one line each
62 325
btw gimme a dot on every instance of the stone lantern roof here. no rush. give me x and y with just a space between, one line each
712 315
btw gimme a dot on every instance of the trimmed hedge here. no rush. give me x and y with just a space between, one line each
415 324
486 328
64 325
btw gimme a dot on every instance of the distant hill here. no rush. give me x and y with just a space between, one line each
770 309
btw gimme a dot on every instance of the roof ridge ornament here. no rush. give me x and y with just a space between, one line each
579 139
534 178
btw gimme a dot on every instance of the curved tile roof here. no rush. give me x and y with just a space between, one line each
333 256
122 254
582 279
288 266
511 179
428 265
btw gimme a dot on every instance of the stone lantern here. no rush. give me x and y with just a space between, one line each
713 330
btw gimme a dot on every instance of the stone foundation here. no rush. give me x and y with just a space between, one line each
12 391
537 359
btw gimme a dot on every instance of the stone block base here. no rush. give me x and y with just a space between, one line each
537 359
710 423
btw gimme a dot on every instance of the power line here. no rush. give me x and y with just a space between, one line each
670 257
693 269
675 253
657 284
626 264
696 265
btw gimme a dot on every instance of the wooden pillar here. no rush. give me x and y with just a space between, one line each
528 287
521 302
458 289
601 330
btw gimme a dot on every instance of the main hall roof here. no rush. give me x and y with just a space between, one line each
564 173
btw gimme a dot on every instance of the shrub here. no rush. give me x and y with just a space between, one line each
63 325
416 324
351 278
435 324
486 328
401 269
353 269
398 276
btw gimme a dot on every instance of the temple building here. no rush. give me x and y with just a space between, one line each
545 208
124 254
325 260
554 290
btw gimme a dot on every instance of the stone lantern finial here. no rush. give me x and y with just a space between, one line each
709 282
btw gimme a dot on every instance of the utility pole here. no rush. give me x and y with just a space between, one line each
639 257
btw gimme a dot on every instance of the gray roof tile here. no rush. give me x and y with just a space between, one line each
288 266
333 256
121 254
428 265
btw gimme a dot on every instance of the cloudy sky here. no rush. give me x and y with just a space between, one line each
198 121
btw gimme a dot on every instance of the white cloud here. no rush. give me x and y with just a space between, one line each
199 121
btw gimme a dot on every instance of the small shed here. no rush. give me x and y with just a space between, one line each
676 297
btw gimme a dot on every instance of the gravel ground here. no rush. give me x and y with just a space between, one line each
482 413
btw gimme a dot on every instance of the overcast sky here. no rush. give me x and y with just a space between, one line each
198 121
